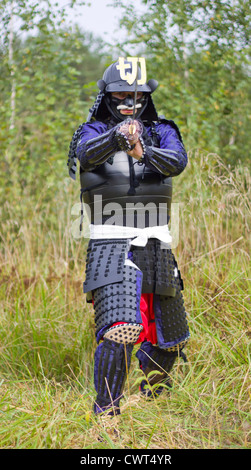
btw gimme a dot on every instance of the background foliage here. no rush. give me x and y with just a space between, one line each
50 70
199 53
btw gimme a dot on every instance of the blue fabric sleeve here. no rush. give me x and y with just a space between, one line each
170 158
95 145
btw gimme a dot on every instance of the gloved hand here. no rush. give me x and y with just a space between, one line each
128 134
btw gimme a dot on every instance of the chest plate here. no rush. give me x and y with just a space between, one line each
126 192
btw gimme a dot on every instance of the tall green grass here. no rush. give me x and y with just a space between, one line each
47 339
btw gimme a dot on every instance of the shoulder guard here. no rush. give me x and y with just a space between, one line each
172 124
72 159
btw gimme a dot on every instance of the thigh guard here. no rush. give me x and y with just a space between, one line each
104 264
119 302
159 267
171 322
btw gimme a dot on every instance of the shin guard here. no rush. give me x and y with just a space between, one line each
152 358
111 364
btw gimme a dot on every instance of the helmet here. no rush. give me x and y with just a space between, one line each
125 76
120 76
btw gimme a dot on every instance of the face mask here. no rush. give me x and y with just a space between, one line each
116 105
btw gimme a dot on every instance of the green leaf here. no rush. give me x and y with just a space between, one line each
41 97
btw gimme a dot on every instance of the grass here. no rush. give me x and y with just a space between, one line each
47 339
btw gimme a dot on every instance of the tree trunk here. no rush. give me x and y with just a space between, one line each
12 73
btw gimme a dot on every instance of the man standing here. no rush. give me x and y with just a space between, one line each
128 156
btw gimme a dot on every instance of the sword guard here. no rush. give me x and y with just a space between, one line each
132 129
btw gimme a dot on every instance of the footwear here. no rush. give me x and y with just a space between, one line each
153 392
110 410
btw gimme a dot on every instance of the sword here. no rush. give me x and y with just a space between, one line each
132 127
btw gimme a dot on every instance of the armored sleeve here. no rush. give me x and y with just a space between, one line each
96 144
170 157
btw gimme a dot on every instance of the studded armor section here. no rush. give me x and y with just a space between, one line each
159 268
119 302
104 263
115 289
171 322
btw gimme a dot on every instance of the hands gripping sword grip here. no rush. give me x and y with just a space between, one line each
128 133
